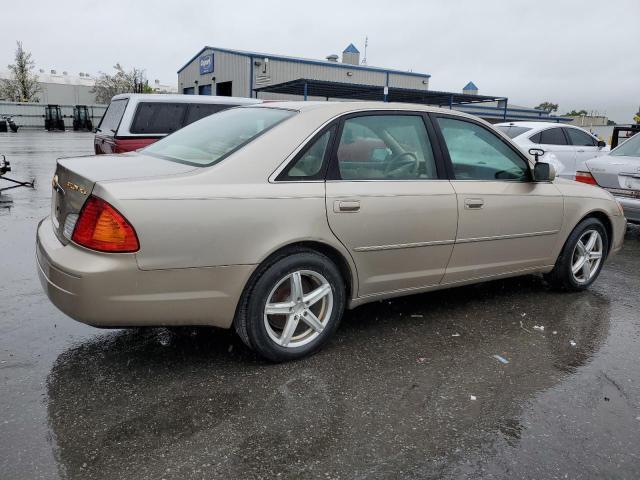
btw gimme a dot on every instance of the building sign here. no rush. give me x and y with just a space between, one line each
206 64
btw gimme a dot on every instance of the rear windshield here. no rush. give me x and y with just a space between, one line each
512 131
209 140
630 148
113 115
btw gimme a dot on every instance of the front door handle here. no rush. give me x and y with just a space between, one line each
473 203
346 206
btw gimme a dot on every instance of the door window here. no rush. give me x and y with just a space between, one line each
308 165
580 138
385 147
478 154
158 118
551 136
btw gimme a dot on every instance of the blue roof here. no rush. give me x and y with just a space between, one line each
351 49
470 86
303 60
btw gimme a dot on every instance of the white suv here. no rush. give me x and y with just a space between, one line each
564 146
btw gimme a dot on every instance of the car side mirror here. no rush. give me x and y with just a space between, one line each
544 172
537 153
602 144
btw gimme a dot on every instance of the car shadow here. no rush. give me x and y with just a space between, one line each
405 385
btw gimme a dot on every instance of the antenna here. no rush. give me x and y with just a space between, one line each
366 44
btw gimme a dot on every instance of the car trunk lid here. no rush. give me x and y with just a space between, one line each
618 174
75 179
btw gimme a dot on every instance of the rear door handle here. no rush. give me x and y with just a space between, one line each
346 206
473 203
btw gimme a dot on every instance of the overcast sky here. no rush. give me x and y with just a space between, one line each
577 53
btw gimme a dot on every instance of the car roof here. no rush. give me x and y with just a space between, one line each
536 125
178 98
355 106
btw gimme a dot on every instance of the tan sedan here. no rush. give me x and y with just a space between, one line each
275 218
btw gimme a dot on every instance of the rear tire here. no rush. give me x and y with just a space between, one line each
582 257
292 307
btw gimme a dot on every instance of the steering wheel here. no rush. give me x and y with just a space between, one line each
396 162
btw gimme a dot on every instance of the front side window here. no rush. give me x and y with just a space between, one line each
478 154
385 147
211 139
580 138
113 115
158 118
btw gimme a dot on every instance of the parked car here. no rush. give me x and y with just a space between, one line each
565 146
133 121
619 173
273 218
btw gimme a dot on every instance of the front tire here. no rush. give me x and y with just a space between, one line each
582 257
292 307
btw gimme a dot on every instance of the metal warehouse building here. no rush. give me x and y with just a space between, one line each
218 71
239 73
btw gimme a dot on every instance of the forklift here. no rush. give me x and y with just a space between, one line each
53 119
81 118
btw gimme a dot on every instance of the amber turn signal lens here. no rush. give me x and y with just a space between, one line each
585 177
101 227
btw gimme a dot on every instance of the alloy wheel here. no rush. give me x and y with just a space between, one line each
587 256
298 308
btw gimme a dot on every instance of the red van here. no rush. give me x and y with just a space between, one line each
133 120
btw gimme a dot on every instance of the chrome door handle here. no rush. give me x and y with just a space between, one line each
473 203
580 151
346 206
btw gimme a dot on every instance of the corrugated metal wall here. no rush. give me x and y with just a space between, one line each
31 115
238 69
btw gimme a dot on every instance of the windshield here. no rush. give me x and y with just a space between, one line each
512 131
630 148
209 140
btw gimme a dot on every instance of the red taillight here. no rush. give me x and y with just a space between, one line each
101 227
585 177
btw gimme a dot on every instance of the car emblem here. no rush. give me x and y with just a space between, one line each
76 187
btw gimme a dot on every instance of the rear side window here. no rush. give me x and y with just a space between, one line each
552 136
113 115
580 138
158 118
197 111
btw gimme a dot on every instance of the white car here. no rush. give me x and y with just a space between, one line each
564 146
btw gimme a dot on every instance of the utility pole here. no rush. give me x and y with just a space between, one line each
366 44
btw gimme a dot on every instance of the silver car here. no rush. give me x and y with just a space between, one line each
619 173
272 219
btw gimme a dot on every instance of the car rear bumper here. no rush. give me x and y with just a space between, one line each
109 290
631 207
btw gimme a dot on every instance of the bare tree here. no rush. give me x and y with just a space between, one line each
22 86
133 81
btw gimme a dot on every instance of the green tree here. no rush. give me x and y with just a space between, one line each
22 85
636 117
578 113
133 81
547 107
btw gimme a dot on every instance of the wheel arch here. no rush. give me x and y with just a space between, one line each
606 221
345 266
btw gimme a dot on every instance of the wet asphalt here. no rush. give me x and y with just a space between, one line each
408 388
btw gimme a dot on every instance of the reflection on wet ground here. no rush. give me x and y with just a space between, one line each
409 388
